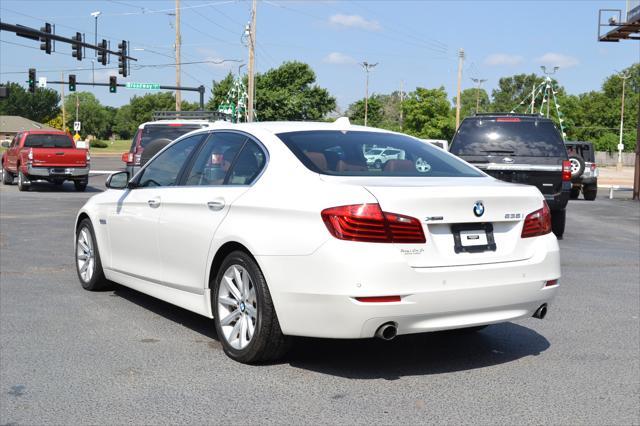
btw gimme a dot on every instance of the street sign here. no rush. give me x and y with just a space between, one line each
76 126
620 147
42 82
143 86
76 137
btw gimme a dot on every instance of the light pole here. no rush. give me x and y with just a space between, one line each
366 66
624 78
96 14
479 82
548 73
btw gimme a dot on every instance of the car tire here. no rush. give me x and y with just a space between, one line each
575 193
152 149
577 166
377 164
590 192
86 253
80 185
23 183
558 220
240 302
7 177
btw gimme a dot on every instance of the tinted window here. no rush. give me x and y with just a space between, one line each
530 138
248 165
154 132
48 141
214 160
164 169
349 154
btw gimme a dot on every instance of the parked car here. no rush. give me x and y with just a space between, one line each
378 157
48 155
584 171
166 126
519 148
285 243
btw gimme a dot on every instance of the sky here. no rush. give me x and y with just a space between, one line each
414 43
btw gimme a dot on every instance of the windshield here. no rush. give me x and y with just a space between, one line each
171 132
48 141
512 137
342 154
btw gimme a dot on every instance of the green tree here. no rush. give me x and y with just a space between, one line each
219 92
91 113
289 92
512 90
40 106
468 102
375 111
428 114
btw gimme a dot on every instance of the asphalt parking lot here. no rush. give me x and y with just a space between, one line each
70 356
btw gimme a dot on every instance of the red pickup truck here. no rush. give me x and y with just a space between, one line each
45 155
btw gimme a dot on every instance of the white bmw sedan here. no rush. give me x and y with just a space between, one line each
282 229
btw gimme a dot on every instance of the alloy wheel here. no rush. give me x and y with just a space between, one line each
237 307
85 255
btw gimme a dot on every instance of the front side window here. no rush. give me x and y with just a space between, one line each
164 170
358 153
215 159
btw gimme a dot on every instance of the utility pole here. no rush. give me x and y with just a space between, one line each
178 44
479 82
251 68
624 78
460 62
64 115
401 101
366 66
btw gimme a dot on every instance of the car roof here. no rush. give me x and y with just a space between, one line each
169 122
276 127
45 132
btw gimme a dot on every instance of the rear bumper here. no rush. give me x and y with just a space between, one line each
559 200
58 172
315 295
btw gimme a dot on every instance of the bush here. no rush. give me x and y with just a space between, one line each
98 144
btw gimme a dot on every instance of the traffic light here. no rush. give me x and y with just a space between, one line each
72 82
102 52
76 48
46 41
122 58
32 80
113 84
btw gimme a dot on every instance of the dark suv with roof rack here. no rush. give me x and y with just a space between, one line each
519 148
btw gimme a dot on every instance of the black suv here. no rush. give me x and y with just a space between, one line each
584 171
519 148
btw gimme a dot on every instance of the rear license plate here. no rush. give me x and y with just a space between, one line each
473 237
60 171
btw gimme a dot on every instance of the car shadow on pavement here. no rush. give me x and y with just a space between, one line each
409 355
417 354
65 187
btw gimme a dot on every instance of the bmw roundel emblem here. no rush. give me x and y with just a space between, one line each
478 208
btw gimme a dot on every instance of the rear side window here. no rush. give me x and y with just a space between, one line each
48 141
513 137
248 165
356 153
170 132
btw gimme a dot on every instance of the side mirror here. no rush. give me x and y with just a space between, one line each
6 144
119 180
81 145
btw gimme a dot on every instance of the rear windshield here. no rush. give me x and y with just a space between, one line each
372 154
513 137
165 131
48 141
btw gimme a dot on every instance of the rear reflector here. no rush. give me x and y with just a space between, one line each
551 282
378 299
566 170
368 223
508 120
537 223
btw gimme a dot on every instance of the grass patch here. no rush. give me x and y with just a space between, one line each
117 146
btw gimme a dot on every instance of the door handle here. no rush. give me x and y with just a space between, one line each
217 204
154 203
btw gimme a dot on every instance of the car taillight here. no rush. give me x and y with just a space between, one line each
368 223
566 170
537 223
30 154
593 166
127 157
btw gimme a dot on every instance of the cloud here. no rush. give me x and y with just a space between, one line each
558 59
496 59
338 58
354 21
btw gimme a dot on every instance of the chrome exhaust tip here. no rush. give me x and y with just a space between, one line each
387 331
541 312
